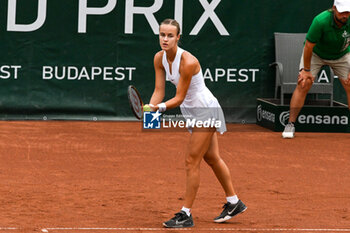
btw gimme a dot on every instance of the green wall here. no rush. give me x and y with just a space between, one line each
53 64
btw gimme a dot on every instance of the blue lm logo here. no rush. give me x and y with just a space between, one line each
151 120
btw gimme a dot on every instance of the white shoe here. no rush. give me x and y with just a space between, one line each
289 131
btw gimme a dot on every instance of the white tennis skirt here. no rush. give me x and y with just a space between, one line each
202 110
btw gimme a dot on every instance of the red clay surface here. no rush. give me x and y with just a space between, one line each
63 174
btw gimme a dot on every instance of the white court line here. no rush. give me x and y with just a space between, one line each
199 229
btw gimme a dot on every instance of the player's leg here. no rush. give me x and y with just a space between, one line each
198 145
233 206
299 95
221 171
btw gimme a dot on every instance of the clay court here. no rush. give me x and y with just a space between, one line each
73 176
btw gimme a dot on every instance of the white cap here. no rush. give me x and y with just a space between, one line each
342 5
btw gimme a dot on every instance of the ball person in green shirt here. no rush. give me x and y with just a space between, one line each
327 43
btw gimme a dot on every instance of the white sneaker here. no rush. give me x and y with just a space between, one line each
288 131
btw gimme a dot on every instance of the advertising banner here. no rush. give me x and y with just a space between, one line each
313 117
74 59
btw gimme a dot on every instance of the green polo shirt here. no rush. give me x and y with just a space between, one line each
331 41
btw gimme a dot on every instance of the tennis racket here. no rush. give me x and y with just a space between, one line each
135 102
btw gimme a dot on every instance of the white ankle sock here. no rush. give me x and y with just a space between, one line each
186 210
232 199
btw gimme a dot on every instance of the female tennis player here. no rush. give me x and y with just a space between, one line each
196 102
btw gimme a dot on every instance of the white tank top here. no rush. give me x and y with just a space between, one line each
199 102
197 85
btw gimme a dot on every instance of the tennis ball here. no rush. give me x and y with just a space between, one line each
147 108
